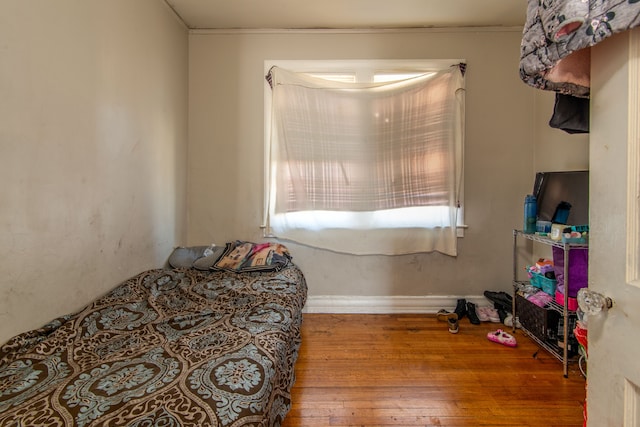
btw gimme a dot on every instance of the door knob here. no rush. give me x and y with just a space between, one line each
593 303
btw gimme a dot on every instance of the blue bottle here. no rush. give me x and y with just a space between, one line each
530 214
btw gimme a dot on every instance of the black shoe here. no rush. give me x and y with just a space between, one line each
502 314
461 308
473 315
501 300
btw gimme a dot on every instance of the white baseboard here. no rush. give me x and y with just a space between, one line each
347 304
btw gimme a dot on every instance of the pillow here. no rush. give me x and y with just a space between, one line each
210 257
186 257
241 256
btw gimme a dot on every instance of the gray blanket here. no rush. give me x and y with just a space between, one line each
557 36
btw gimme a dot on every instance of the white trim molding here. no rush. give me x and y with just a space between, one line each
351 304
633 162
403 30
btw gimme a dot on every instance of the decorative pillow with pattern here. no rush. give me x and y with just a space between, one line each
247 256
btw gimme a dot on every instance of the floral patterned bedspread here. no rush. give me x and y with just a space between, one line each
165 348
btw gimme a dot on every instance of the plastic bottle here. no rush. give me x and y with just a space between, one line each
530 214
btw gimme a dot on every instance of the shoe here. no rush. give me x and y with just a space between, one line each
453 325
493 315
500 299
502 314
488 314
508 321
461 308
502 337
444 315
482 314
472 314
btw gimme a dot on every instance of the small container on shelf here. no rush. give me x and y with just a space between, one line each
542 276
543 266
543 228
574 237
544 283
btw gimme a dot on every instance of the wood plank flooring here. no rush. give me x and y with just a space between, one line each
408 370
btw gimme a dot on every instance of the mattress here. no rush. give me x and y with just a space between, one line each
169 347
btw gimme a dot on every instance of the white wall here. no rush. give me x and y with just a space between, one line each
93 129
554 150
226 153
93 155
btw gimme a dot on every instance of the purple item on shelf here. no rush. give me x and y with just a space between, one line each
578 269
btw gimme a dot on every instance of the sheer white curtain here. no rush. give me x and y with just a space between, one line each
366 168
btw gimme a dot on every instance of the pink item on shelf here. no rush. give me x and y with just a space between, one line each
572 304
540 298
501 337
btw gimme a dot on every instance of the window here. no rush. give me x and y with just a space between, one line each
365 157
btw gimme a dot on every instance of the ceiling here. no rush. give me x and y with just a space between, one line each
348 14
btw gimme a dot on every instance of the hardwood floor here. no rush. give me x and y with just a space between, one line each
408 370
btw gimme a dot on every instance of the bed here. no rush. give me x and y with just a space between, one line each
208 346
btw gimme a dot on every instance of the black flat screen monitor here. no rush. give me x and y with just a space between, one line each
552 188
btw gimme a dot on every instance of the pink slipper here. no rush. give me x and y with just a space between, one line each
502 337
